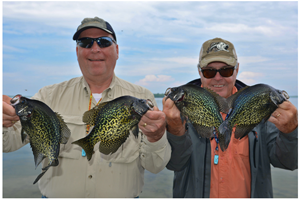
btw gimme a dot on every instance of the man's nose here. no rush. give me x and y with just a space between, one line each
95 47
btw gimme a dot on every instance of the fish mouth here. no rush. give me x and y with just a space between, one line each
15 100
285 95
177 97
150 104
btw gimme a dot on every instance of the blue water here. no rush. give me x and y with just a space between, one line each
19 174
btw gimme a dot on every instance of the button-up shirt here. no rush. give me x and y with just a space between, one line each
116 175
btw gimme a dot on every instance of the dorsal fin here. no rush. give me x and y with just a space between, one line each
65 131
221 101
89 117
230 100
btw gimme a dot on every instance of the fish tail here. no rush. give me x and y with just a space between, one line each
86 146
55 162
39 177
225 129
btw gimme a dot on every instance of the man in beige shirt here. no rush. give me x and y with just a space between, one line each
116 175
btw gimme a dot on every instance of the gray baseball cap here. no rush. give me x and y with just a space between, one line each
95 22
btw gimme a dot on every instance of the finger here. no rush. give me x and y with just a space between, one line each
155 108
10 118
276 114
9 123
286 105
163 100
169 104
6 99
153 116
8 109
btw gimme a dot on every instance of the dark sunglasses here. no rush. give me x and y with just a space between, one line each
102 42
224 72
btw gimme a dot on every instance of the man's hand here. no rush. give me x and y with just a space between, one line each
175 125
153 124
9 116
285 117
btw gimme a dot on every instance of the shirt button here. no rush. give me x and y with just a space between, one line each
90 176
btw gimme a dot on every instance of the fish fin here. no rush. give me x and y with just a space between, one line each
204 131
23 135
86 146
135 131
111 147
55 162
89 117
182 117
65 131
39 177
267 117
230 100
242 131
226 130
221 101
38 157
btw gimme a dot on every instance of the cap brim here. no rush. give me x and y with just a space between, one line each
76 35
228 60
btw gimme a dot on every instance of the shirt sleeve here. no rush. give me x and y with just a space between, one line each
155 155
12 140
181 150
282 147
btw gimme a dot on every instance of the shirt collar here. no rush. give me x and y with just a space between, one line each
86 86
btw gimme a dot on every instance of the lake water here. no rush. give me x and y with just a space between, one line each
19 173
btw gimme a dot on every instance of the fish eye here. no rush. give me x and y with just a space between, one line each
168 91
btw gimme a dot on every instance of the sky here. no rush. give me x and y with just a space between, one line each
159 41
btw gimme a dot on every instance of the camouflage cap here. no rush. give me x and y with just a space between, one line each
95 22
217 49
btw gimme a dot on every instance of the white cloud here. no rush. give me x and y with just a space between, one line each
252 59
250 78
155 37
154 78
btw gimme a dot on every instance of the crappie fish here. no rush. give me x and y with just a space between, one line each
202 107
250 106
112 122
46 130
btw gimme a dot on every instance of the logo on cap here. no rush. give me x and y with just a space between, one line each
218 46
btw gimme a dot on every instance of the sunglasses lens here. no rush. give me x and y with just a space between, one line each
85 43
226 72
209 73
104 42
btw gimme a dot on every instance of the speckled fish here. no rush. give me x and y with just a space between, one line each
250 106
112 123
46 130
202 107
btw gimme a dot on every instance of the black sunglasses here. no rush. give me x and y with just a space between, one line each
224 72
88 42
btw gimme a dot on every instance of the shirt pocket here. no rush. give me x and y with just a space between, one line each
77 128
242 146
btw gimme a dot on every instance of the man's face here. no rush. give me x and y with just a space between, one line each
97 62
221 85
